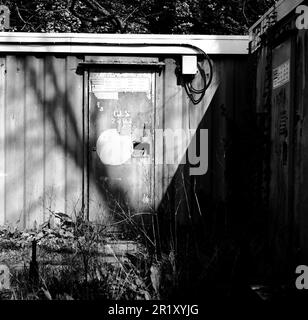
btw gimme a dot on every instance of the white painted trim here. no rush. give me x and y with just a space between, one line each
121 43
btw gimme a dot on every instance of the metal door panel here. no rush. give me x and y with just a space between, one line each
121 113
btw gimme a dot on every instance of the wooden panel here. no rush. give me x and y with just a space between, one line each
55 134
15 141
34 143
2 139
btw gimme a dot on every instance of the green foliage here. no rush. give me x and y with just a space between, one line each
136 16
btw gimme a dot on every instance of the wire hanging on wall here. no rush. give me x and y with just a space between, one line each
191 90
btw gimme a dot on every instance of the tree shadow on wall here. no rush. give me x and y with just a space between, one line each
66 134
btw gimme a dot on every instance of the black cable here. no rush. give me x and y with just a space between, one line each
191 96
190 90
206 84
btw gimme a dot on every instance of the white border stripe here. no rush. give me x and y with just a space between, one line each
121 44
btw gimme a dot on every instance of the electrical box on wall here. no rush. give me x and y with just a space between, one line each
189 65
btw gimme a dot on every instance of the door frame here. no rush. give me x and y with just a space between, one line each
155 69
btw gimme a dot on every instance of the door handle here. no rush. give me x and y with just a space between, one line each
94 149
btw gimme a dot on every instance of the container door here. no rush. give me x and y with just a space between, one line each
282 146
121 113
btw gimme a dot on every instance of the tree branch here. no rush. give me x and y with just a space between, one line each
244 13
23 20
105 15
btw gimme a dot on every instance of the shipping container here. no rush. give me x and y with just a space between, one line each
59 92
101 126
279 51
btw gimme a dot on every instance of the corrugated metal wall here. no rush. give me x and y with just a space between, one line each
42 146
41 150
281 127
196 208
301 148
